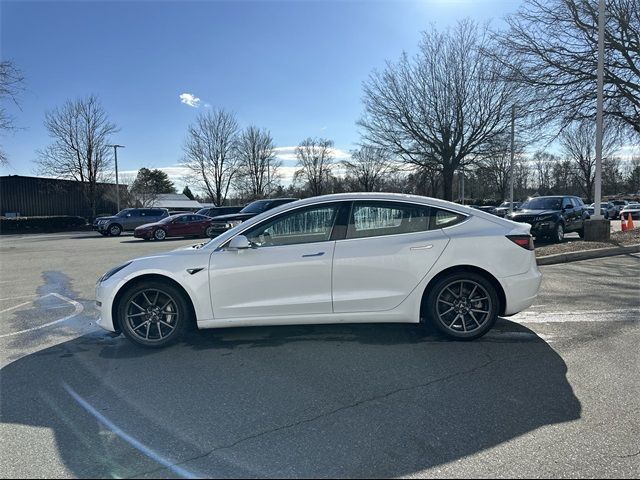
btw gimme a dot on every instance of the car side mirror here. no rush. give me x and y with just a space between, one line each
239 242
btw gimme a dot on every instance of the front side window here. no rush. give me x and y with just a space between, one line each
307 225
379 219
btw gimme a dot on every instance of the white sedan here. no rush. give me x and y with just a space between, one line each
347 258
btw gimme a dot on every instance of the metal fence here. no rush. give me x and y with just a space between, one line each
37 196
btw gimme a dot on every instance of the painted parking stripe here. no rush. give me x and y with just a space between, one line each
78 309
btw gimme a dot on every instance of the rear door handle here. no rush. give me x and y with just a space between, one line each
319 254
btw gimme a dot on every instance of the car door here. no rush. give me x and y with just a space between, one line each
287 272
388 249
197 224
132 220
179 227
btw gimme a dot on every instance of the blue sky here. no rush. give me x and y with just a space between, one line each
293 67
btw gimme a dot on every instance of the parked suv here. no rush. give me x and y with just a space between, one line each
552 217
222 223
128 219
217 211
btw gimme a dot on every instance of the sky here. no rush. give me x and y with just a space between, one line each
295 68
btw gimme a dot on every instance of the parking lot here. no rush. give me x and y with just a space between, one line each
550 392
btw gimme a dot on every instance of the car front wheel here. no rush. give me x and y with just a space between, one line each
115 230
462 306
208 232
159 234
558 235
153 314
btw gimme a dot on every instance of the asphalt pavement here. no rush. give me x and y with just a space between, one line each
551 392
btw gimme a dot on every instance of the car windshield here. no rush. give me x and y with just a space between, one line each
542 204
505 204
258 206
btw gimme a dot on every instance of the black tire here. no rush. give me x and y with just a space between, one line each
115 230
159 234
209 232
441 298
136 322
558 233
581 232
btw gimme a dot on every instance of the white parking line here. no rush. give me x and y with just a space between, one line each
16 306
78 310
21 296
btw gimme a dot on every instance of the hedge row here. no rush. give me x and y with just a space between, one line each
41 224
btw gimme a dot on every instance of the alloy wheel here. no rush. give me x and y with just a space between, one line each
152 315
159 234
463 306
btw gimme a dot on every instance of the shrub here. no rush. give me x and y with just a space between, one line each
41 224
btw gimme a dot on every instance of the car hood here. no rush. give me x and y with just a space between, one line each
147 225
534 212
105 218
233 216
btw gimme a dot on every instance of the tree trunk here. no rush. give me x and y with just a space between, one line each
447 183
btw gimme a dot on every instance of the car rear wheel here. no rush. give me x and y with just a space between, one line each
153 314
462 306
115 230
159 234
208 232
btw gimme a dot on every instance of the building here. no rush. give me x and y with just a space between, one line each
39 196
175 201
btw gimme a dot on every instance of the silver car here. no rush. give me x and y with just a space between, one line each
128 220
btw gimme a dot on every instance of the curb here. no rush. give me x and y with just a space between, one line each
586 255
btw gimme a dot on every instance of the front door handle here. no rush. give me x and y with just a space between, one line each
319 254
422 247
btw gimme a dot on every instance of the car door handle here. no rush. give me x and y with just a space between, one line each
319 254
422 247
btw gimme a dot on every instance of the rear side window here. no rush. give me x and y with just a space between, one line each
374 219
445 218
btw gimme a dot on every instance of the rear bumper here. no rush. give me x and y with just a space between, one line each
521 290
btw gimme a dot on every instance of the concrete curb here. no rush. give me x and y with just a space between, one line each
586 255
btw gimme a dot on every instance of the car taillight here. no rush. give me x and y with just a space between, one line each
525 241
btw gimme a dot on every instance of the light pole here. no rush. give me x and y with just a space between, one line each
599 112
115 156
513 148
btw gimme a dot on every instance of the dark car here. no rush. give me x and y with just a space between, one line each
222 223
128 219
619 206
488 209
185 225
217 211
551 217
502 209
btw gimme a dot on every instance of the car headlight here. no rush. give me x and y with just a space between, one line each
112 272
234 223
102 222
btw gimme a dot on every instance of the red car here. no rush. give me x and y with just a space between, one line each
184 225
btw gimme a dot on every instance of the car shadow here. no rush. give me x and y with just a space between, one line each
313 401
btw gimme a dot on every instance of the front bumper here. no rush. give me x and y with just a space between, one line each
143 233
104 302
101 227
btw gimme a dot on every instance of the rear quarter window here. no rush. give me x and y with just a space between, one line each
441 218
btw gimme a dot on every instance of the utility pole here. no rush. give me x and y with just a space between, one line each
462 171
513 149
115 156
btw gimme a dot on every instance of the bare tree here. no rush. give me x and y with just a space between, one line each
315 162
258 165
543 163
495 167
11 84
441 107
550 48
210 153
578 143
368 168
81 132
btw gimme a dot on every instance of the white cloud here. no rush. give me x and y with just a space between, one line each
289 154
190 99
